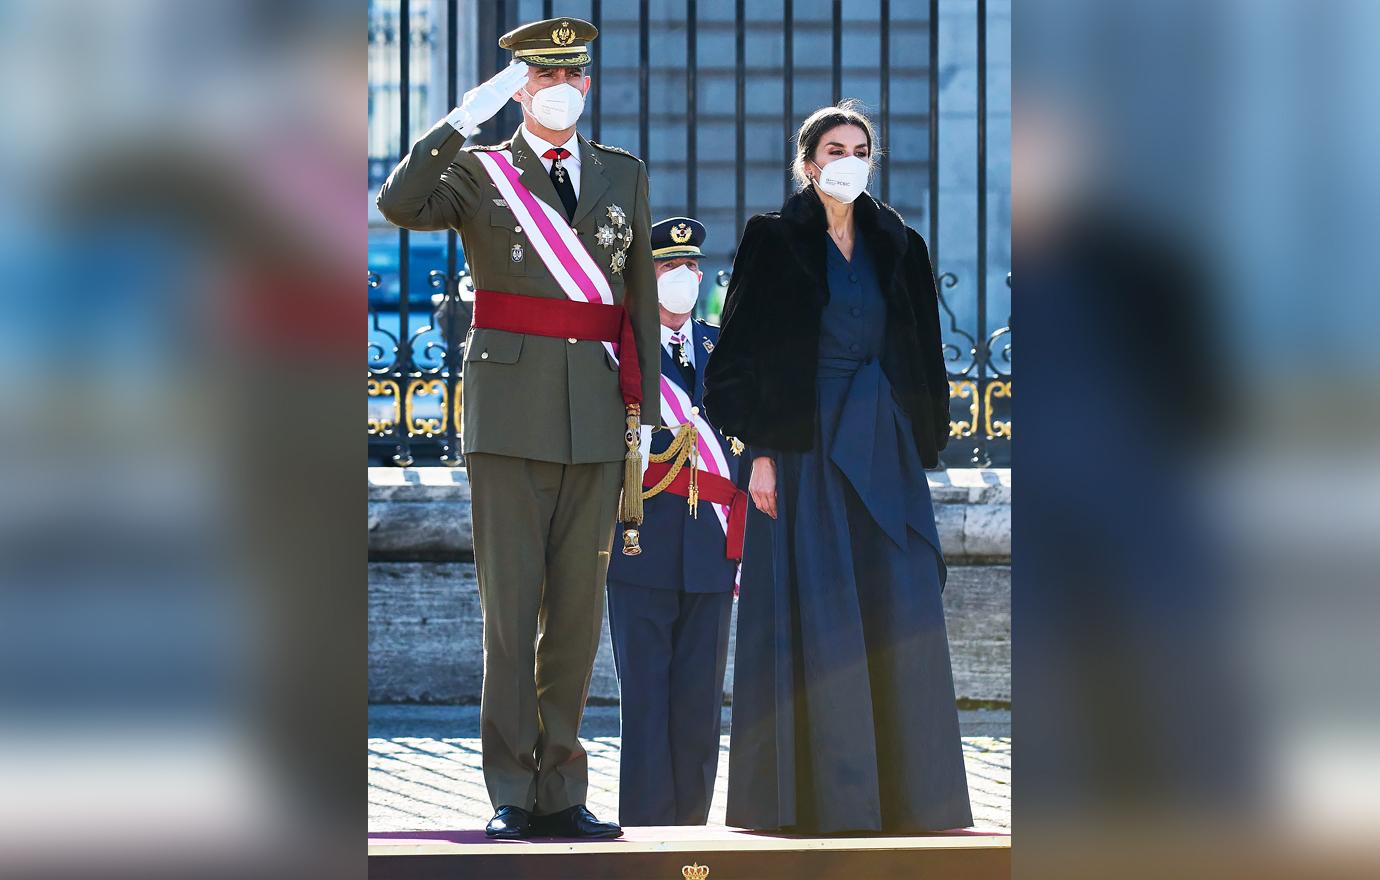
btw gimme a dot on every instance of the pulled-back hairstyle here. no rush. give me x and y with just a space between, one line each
813 129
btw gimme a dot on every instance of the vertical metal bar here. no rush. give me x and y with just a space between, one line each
739 116
596 15
788 86
838 50
452 289
983 352
403 364
643 82
982 175
933 74
692 63
885 109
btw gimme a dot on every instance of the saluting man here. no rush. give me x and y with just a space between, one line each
561 364
669 608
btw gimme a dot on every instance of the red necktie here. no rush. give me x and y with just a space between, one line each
560 180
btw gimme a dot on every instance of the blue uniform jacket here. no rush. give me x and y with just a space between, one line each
680 552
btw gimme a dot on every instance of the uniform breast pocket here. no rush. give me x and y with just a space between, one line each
510 239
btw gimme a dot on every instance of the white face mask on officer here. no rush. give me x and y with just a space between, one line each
557 107
844 179
678 289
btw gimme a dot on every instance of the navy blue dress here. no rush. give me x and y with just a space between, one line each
844 716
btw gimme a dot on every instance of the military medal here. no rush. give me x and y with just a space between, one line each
709 346
684 355
618 232
560 171
517 253
736 445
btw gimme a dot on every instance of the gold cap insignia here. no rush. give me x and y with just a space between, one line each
680 233
695 872
563 35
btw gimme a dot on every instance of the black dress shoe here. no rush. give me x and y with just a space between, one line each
509 823
576 821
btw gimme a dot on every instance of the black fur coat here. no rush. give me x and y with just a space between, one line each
760 381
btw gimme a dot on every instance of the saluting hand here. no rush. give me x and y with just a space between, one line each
483 102
762 484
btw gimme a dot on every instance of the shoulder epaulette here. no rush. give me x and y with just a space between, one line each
608 149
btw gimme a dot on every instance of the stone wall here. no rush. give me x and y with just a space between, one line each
425 632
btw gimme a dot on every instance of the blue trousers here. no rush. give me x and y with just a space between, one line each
670 649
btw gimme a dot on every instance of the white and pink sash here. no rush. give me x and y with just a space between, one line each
552 237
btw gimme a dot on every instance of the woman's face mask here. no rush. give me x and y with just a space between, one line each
845 178
557 107
678 289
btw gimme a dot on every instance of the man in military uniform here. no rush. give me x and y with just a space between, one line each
562 353
669 608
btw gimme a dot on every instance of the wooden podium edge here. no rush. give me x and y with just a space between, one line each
738 842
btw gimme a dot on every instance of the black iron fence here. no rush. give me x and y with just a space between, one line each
415 338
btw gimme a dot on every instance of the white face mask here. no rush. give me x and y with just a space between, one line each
557 107
845 178
678 289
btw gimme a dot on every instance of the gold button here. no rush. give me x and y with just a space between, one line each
484 354
694 410
517 228
571 340
435 152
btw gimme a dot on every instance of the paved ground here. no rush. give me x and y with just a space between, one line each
425 772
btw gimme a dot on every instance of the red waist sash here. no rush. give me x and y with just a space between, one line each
543 316
712 488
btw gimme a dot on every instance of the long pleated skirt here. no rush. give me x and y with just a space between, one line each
844 716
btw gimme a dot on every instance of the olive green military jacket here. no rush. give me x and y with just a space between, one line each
534 396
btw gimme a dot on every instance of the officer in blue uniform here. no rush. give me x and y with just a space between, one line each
669 608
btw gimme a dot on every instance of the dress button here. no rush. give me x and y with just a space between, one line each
571 340
855 347
435 152
857 312
484 355
694 410
517 228
853 277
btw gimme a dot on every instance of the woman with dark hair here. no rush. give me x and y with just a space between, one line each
829 367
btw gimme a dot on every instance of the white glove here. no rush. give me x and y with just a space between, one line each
483 102
646 447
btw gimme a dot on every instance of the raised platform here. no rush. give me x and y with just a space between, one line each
710 853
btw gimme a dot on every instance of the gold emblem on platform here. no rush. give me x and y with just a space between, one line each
517 253
695 872
604 236
736 445
680 233
563 35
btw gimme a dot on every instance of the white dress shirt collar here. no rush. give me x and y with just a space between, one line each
571 146
689 332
